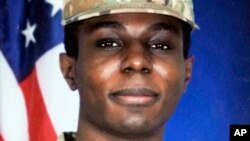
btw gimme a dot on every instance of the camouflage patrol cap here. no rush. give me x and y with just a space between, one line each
76 10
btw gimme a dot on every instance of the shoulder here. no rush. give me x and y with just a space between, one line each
67 136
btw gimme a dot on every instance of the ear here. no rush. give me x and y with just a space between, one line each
188 70
67 65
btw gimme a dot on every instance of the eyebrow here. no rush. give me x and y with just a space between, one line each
116 25
163 26
106 24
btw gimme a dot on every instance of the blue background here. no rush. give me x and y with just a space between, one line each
218 94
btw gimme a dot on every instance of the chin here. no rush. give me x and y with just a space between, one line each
136 126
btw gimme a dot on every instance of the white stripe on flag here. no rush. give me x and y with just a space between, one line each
62 104
13 117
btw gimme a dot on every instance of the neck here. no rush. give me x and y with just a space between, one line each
89 132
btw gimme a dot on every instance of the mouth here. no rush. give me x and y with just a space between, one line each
135 97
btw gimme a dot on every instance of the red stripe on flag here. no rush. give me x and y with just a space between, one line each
1 138
40 126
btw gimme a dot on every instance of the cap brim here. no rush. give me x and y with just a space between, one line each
128 8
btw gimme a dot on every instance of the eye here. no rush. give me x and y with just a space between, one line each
161 46
109 43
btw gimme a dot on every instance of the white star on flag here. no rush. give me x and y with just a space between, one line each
29 34
56 4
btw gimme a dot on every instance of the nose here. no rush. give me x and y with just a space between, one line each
136 59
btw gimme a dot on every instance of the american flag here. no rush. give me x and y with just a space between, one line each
35 102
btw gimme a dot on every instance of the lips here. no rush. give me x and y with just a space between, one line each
135 97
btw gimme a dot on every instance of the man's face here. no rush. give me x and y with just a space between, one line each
130 71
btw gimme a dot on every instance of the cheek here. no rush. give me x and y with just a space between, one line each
106 71
171 76
161 70
95 77
170 80
95 80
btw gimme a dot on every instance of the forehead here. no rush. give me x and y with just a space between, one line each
132 19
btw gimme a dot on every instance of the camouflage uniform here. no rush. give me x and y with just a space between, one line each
70 136
76 10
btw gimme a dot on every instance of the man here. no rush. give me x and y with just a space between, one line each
129 60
